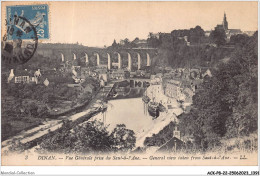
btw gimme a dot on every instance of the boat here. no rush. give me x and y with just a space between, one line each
161 108
153 109
146 99
115 95
103 108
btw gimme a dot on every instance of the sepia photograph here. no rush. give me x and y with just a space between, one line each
144 83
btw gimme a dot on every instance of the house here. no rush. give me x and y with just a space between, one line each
154 90
120 90
23 76
167 76
205 72
156 80
22 79
92 73
89 88
174 144
186 73
188 92
100 71
103 76
117 74
173 74
37 73
46 82
140 73
140 43
195 84
82 87
187 101
132 74
173 89
11 75
159 75
73 85
76 68
152 76
249 33
207 33
185 38
101 68
54 76
194 73
102 83
168 69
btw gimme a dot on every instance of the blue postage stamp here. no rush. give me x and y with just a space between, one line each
21 20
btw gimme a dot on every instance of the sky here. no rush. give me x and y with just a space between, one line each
99 23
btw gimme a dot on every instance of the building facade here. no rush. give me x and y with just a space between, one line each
173 89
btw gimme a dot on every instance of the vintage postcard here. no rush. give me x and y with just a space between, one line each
129 83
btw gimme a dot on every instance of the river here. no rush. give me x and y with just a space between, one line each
134 115
130 112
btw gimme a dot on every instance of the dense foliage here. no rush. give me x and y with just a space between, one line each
226 106
26 105
90 137
190 48
218 36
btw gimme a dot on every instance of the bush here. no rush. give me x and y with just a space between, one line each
90 137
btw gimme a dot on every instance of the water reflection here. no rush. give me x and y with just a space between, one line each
131 112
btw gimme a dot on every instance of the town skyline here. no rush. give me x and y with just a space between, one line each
97 23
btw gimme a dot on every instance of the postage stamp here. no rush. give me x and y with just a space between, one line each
37 15
23 45
25 25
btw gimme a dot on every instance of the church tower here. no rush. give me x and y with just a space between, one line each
225 23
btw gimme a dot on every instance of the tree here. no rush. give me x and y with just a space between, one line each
60 141
122 139
244 117
136 40
153 41
32 109
90 137
226 106
196 35
126 41
239 39
218 36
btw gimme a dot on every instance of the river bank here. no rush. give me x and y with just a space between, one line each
133 113
29 138
133 93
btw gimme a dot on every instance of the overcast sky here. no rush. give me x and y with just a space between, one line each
99 23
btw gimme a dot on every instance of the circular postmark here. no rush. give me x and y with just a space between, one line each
20 42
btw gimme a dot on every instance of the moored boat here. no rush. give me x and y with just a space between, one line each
161 108
103 108
146 99
153 109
